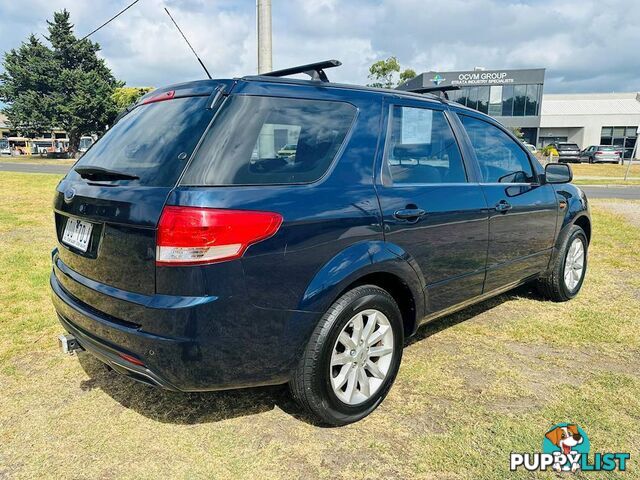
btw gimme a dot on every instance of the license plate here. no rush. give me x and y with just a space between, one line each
77 233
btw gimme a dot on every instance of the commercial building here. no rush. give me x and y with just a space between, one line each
515 98
591 119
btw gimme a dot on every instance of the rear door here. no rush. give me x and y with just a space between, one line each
105 224
433 209
523 212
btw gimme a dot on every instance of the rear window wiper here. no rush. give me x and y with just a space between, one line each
99 173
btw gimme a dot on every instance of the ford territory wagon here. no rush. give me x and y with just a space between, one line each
193 256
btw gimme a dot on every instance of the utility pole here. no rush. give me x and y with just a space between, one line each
266 139
264 35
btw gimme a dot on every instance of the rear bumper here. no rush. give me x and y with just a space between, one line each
111 357
215 344
569 159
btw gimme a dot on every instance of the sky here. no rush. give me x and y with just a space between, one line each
585 45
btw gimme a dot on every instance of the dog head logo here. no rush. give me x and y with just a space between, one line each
567 442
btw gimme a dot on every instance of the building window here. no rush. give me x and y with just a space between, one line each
623 137
501 100
495 101
519 100
531 108
507 101
483 99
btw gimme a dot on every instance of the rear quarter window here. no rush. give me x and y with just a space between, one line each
269 140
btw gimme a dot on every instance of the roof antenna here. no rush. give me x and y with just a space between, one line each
185 39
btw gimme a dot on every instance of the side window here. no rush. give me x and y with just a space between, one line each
421 147
269 140
501 159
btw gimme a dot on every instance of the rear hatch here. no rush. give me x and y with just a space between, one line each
108 205
608 153
568 150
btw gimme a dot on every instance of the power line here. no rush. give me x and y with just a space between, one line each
110 20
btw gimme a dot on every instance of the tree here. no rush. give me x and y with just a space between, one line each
517 132
28 85
65 86
125 96
387 74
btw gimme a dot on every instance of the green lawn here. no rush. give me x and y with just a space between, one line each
472 388
605 170
37 160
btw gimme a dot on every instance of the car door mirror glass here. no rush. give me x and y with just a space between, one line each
558 173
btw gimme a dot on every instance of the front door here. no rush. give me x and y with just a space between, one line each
433 210
523 212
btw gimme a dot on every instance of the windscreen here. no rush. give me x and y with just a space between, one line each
568 146
268 140
152 142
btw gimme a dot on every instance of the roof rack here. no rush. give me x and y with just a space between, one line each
314 70
442 90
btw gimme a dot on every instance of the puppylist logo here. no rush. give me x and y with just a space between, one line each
565 448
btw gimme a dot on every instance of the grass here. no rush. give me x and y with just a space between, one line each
607 181
605 170
38 160
472 387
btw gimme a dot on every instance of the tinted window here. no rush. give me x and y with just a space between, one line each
153 141
500 158
531 108
241 148
421 148
520 99
507 100
567 146
483 99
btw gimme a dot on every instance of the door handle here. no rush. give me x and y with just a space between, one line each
409 213
503 206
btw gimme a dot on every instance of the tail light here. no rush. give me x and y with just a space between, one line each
599 153
196 236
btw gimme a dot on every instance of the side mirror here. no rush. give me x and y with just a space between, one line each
558 173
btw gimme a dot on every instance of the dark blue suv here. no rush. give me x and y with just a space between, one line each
196 252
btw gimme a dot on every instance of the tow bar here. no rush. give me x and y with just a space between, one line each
69 344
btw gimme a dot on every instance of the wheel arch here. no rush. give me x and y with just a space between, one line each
368 263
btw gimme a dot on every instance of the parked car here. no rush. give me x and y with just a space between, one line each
567 152
532 148
288 150
188 260
5 149
601 154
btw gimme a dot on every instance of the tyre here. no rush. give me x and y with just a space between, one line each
565 278
352 358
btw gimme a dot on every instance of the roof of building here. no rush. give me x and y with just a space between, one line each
591 104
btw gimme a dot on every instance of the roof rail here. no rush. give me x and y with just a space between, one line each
442 90
314 70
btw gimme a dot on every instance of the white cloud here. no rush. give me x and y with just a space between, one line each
586 45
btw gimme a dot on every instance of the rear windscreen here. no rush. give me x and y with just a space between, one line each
153 141
269 140
607 149
568 146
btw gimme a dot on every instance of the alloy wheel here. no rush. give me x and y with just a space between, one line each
361 357
574 264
